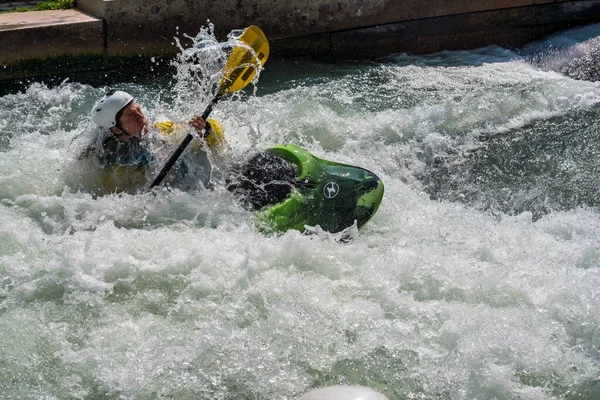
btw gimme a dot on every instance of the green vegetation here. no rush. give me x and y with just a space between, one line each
46 5
55 5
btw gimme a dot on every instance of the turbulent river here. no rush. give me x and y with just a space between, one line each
478 278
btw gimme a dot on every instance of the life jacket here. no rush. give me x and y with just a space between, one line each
125 165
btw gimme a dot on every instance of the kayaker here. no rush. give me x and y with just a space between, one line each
126 144
286 185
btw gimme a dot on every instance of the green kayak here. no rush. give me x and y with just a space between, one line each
331 195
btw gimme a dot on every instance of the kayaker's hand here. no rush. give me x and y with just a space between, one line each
198 124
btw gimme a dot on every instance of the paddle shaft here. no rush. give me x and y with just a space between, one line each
173 159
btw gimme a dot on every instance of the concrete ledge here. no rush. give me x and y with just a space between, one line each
37 19
49 34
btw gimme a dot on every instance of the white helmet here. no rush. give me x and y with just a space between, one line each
105 111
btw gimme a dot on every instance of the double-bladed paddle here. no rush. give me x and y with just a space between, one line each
245 59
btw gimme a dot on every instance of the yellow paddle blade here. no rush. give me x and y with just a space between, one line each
245 59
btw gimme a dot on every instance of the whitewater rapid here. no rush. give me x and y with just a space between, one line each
478 277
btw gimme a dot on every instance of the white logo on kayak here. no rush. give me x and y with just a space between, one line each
331 190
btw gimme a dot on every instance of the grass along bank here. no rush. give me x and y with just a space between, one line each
7 6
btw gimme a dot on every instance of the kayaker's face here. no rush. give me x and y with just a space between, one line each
133 121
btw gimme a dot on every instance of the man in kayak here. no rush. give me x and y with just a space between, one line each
288 186
125 146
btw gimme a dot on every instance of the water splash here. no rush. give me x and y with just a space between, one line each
574 53
199 68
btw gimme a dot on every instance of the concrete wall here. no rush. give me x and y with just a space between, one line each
509 28
49 42
43 34
120 32
355 28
